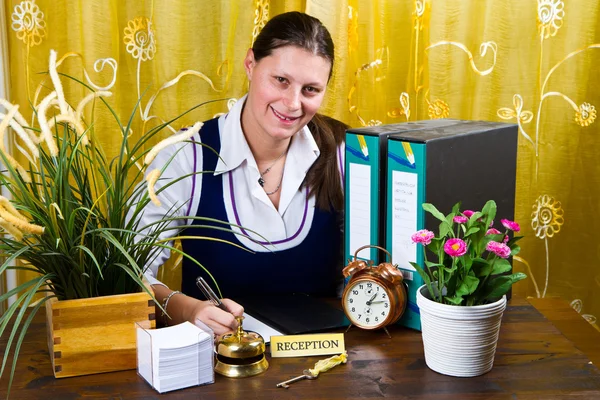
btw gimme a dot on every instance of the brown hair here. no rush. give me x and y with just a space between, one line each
323 178
308 33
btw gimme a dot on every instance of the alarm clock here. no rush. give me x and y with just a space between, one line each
375 296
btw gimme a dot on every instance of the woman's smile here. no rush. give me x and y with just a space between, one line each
285 119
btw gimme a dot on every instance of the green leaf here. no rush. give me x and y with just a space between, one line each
27 300
450 284
467 286
472 230
494 238
489 209
456 208
450 269
500 266
435 245
502 284
514 250
430 208
445 229
92 257
431 264
421 272
481 268
476 215
467 262
456 300
24 330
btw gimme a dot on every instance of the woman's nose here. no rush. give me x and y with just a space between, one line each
292 100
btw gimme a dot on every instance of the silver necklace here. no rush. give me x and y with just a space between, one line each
261 180
277 188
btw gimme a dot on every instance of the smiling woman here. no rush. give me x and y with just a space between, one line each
290 84
278 174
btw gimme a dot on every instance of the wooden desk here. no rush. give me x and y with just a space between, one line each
533 361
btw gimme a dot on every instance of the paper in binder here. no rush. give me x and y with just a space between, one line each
175 357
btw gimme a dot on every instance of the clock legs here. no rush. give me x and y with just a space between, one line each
384 328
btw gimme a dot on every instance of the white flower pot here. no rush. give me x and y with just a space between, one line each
459 340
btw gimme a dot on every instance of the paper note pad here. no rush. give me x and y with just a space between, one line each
175 357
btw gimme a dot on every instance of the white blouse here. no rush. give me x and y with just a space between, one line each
247 205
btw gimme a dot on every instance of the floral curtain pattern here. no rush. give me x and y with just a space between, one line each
527 62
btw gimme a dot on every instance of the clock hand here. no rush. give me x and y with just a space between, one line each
371 299
377 302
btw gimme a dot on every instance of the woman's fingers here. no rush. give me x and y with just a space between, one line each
218 320
233 307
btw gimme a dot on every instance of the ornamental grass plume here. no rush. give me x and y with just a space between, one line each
470 260
73 215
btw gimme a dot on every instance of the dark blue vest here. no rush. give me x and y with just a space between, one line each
313 266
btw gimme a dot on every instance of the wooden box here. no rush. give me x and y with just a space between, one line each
89 336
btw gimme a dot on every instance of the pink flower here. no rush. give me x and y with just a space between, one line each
508 224
455 247
468 213
423 236
459 219
493 231
499 249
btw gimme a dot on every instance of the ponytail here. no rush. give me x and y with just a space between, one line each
323 178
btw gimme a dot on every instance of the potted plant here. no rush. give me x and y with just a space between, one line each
466 280
73 218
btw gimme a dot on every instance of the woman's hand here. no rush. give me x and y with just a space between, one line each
218 320
184 308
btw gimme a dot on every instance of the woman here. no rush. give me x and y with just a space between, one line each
277 175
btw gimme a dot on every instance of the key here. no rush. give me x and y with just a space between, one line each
307 375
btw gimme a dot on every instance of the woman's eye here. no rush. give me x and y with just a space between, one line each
311 89
280 79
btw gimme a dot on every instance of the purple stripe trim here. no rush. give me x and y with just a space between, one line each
340 161
193 180
237 217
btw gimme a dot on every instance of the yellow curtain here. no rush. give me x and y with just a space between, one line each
528 62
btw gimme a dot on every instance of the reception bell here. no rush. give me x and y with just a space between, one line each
240 354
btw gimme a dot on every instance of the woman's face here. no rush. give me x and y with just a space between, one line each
286 90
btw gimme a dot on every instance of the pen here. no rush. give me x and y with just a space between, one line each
210 295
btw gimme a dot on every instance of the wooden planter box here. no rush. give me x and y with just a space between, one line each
90 336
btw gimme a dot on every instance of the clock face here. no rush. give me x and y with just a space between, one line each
367 303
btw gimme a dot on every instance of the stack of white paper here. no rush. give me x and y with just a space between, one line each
175 357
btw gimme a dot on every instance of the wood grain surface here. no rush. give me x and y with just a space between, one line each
534 360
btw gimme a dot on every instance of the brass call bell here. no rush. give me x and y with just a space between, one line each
240 354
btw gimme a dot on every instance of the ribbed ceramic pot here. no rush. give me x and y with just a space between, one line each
459 340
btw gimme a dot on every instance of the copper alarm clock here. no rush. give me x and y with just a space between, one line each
375 296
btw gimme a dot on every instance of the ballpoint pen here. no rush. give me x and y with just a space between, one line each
210 295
